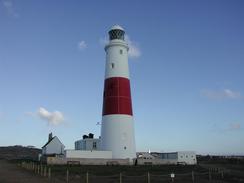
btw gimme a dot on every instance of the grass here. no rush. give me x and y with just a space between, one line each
127 170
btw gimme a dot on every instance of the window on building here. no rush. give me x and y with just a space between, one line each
124 147
94 145
121 52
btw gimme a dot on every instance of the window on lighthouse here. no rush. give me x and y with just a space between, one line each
112 65
121 52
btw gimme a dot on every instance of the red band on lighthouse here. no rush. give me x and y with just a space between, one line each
117 96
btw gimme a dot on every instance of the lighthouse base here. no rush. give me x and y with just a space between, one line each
117 135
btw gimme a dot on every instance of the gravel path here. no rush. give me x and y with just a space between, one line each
10 173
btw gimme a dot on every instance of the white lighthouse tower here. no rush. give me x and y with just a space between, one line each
117 132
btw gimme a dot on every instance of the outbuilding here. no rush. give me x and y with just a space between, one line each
53 146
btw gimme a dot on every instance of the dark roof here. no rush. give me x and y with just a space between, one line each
48 142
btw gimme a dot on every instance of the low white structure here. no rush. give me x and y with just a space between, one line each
180 157
187 157
144 155
88 143
88 154
53 147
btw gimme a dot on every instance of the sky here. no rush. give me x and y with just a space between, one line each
186 64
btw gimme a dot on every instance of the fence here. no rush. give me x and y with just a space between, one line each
69 176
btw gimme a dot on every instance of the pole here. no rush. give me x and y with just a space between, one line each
172 175
41 171
222 174
49 173
87 177
192 175
148 177
209 175
67 176
45 171
120 177
81 180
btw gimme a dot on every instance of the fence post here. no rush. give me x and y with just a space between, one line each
45 171
81 176
148 177
192 175
87 177
209 175
120 177
41 170
38 169
67 176
49 172
222 174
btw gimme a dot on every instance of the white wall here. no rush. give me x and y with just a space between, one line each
120 61
88 154
117 135
181 157
54 147
187 157
87 144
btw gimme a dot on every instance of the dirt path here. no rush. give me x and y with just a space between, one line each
10 173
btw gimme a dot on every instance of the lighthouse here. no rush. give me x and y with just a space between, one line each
117 131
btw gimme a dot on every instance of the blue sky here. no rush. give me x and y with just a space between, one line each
186 68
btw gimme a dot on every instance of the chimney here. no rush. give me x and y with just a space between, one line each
90 135
50 136
85 136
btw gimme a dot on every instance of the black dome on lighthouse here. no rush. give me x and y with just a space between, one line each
116 32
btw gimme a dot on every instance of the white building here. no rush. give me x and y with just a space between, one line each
53 147
88 154
88 143
180 157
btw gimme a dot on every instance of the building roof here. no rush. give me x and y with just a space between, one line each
116 27
48 141
51 141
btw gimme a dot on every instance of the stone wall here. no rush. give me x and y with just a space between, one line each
86 161
156 162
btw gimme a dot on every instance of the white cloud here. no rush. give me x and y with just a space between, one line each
134 50
234 126
9 6
82 45
221 94
227 127
53 118
103 41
